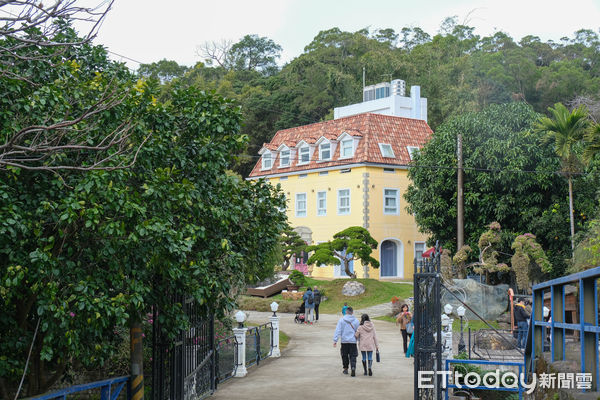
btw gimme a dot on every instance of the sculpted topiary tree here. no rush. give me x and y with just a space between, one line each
528 259
460 260
488 254
354 243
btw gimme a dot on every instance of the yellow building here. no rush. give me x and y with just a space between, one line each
350 171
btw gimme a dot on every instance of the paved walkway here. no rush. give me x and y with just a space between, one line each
375 311
310 368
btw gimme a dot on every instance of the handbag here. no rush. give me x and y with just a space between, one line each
410 328
377 356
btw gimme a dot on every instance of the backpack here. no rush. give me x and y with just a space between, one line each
310 299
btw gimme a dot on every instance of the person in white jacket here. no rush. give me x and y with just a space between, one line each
345 331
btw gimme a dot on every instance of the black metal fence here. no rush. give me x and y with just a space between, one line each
259 343
492 344
227 350
427 333
184 368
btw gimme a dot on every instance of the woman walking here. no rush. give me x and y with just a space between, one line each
403 319
367 342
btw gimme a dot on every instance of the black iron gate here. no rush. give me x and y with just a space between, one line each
184 368
427 317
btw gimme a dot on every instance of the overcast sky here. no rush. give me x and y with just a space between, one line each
150 30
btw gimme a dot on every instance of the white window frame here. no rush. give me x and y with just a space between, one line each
411 150
339 202
321 151
342 148
282 157
381 147
321 211
415 249
301 212
300 150
396 197
264 159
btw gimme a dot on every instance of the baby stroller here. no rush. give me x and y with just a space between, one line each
299 318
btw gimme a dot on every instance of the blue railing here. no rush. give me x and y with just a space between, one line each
587 327
519 389
107 392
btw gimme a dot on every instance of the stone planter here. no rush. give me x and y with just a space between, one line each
292 287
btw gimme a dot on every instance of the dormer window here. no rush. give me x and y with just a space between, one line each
284 158
347 148
386 150
304 155
411 151
267 161
325 151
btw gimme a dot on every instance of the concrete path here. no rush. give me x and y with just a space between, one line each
311 368
375 311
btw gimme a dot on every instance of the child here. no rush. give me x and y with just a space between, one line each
344 308
367 339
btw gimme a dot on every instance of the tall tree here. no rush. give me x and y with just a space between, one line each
59 93
566 130
254 53
163 70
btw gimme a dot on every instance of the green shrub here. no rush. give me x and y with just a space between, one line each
297 278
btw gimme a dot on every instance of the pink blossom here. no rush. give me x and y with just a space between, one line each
72 314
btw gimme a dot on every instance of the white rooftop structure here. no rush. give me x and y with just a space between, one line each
388 98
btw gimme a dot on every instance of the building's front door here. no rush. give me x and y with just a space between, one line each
389 258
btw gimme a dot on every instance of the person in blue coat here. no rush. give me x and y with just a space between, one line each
309 306
345 332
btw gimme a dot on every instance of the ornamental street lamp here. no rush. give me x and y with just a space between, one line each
274 307
461 344
240 317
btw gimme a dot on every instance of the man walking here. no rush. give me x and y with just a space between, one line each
309 306
345 331
521 316
317 294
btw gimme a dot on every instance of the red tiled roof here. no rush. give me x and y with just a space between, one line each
373 129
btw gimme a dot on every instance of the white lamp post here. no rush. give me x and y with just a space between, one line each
240 336
461 344
447 332
275 324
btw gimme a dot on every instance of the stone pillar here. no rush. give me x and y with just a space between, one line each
240 336
275 352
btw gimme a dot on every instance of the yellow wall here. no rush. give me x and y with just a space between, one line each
401 227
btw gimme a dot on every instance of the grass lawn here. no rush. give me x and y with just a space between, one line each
474 324
376 292
284 340
386 318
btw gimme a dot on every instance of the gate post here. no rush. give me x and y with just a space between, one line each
275 346
240 336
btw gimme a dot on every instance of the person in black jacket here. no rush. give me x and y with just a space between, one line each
317 294
521 317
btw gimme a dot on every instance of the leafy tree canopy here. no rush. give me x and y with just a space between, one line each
510 177
164 70
84 253
354 243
